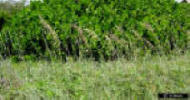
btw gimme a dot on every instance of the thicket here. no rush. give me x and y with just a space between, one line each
105 29
8 9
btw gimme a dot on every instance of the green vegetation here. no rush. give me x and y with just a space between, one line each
95 29
141 78
8 10
147 41
11 7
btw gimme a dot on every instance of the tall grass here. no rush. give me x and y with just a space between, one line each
138 79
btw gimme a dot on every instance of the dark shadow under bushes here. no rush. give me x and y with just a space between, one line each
98 29
2 21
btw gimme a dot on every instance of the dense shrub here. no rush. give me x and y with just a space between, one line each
95 28
7 9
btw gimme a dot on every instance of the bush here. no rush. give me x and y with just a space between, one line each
95 28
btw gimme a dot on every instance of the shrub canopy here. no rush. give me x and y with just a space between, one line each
95 28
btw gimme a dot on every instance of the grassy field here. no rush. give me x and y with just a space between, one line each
137 79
